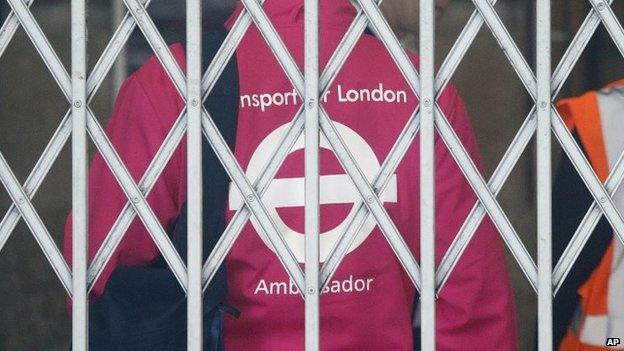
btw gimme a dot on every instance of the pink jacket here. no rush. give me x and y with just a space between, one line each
369 303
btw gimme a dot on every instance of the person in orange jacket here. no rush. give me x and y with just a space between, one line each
589 308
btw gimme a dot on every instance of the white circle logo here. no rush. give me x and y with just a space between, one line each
334 189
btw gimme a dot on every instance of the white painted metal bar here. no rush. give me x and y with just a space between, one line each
427 176
119 169
226 50
6 34
381 27
520 246
326 264
120 68
339 251
544 177
371 198
366 192
18 194
344 48
167 148
312 194
195 312
80 195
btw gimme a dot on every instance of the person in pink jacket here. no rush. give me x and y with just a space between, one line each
369 303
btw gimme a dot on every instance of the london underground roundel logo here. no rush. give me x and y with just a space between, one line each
334 189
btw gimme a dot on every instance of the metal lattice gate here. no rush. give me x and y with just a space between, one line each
79 121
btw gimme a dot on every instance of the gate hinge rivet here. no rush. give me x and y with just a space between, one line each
20 200
135 199
601 6
543 104
311 290
427 102
194 102
603 200
77 103
369 199
250 197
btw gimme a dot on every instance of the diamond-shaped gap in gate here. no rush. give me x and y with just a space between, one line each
30 121
30 304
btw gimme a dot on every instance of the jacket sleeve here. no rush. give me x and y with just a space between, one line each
137 128
475 309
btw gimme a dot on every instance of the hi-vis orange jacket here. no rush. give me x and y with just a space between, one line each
597 120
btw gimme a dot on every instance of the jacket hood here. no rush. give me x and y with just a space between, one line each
337 13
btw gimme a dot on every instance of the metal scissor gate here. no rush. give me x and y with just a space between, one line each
80 86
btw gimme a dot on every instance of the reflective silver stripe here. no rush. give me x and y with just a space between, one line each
596 329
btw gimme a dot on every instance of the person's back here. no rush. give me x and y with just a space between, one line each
369 303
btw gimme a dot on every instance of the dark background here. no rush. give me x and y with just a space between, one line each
32 301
